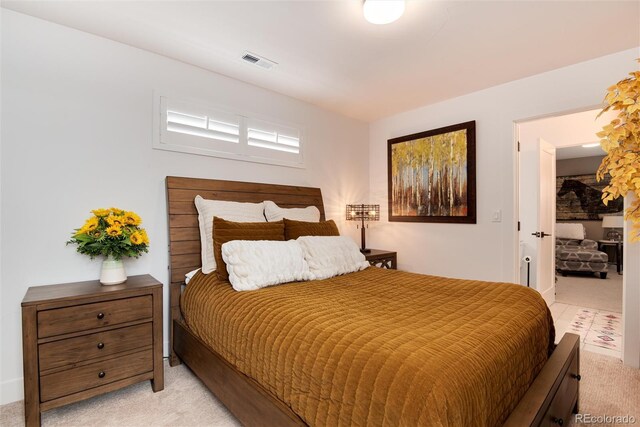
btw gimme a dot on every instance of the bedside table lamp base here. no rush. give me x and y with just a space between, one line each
363 246
614 235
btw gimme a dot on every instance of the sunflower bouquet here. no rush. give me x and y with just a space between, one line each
113 233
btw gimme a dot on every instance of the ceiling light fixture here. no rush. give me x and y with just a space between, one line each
594 144
382 11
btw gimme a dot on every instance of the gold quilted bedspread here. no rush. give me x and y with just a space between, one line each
380 347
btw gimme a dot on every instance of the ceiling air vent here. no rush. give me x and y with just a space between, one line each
260 61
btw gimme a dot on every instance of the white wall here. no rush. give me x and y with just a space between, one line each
631 295
76 135
486 250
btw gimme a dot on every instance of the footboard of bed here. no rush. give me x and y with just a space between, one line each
245 398
553 396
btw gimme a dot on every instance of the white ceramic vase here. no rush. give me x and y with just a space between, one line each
112 272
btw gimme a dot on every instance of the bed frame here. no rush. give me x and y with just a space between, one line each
549 401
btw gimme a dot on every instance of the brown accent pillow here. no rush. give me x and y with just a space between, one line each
225 231
294 229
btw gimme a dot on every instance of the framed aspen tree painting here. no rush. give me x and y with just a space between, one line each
432 175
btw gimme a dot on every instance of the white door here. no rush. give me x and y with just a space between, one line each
545 233
537 214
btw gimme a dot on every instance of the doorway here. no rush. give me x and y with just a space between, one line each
596 282
564 252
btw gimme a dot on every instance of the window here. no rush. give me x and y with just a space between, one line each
198 129
270 140
203 126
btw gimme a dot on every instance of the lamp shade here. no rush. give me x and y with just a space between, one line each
363 212
613 221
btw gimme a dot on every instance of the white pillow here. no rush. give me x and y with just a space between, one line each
231 211
275 213
568 230
255 264
330 256
189 276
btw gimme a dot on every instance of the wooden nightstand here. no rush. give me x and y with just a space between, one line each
383 259
83 339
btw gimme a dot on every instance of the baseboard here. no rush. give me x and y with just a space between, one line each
11 391
549 295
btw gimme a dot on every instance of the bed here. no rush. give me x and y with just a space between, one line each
375 347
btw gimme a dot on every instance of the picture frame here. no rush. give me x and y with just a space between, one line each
579 198
432 175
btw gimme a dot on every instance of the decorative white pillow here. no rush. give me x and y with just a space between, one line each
330 256
569 230
255 264
275 213
189 276
231 211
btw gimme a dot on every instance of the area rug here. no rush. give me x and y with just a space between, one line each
599 328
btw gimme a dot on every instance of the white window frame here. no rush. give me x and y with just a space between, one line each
164 139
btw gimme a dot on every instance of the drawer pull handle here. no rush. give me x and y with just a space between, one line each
100 345
576 376
100 316
558 421
101 374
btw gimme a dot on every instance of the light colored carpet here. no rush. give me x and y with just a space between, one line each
607 388
591 291
184 402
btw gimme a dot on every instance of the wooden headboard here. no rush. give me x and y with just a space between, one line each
184 234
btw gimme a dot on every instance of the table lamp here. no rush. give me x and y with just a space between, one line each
613 222
363 213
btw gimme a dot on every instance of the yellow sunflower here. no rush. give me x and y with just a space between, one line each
145 238
100 212
114 231
131 218
116 220
136 238
91 224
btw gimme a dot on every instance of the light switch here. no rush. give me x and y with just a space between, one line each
497 216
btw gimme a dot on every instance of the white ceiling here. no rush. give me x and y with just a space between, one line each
330 56
578 152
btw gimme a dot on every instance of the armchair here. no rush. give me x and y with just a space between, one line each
578 255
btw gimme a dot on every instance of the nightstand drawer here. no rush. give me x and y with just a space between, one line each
73 350
96 374
89 316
